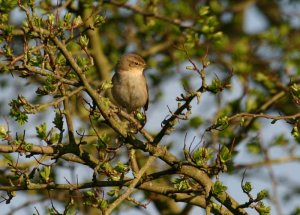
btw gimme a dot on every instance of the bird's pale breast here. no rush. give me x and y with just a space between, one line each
130 90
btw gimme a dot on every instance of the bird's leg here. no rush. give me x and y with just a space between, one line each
141 118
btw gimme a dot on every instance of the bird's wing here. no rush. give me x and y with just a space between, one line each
146 105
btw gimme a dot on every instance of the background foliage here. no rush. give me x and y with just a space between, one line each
223 126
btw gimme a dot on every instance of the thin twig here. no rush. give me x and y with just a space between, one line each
131 187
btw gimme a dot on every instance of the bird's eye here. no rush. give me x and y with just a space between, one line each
136 63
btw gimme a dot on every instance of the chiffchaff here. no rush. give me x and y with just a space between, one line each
130 89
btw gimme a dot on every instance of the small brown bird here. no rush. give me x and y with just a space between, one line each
130 88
